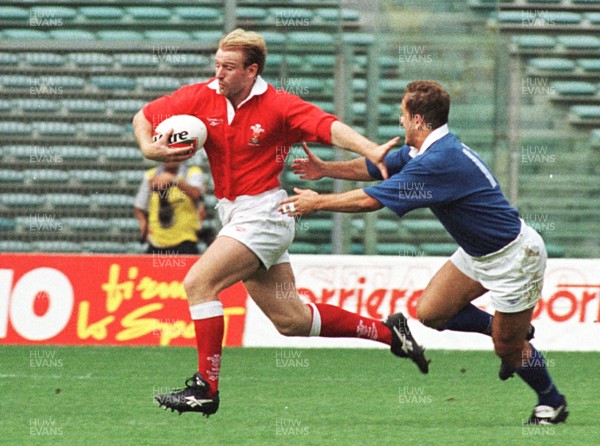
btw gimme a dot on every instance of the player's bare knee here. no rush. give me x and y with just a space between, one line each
429 320
290 326
509 351
197 288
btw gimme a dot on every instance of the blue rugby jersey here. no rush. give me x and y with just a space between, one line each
458 187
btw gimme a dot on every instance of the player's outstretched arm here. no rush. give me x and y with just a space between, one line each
347 138
314 168
308 201
157 150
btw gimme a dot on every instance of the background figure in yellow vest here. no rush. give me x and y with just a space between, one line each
167 208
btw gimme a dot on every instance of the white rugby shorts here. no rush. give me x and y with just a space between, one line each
255 221
514 275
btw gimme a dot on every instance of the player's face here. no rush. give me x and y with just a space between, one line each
235 80
412 125
406 121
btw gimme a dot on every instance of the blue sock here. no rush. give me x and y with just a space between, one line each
535 374
471 319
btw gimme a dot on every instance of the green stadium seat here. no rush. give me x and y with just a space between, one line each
534 41
397 249
143 13
549 18
75 153
97 129
12 13
64 82
71 34
113 82
131 176
357 249
589 64
388 61
388 132
304 248
55 128
358 38
580 42
14 246
359 84
112 200
16 81
9 59
22 200
552 64
37 105
83 106
47 176
304 38
196 14
116 34
125 224
48 13
7 224
381 226
394 86
44 59
24 34
273 38
595 139
438 249
10 128
112 13
91 59
291 17
167 35
333 15
86 224
586 111
128 106
120 153
136 248
137 60
423 226
11 176
573 88
250 13
93 176
158 83
65 201
593 17
207 37
56 246
359 109
104 247
186 60
321 60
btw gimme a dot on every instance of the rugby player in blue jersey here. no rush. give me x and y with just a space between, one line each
497 252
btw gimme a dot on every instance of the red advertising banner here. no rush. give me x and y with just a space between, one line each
104 300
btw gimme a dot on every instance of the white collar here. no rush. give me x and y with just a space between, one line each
434 136
260 86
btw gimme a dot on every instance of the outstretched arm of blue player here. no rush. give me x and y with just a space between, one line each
308 201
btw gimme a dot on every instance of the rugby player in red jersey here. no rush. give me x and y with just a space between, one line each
251 125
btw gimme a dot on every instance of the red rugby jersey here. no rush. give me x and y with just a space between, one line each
247 154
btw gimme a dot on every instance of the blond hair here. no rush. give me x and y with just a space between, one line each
250 43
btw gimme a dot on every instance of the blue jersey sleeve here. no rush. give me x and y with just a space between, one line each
394 161
412 188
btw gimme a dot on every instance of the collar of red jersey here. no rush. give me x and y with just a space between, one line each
259 87
434 136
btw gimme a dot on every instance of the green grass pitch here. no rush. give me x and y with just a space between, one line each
104 396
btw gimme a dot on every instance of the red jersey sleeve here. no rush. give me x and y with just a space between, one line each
307 122
177 103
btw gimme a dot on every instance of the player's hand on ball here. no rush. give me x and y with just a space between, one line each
160 150
302 204
377 155
310 168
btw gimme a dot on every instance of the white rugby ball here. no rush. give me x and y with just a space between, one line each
187 130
